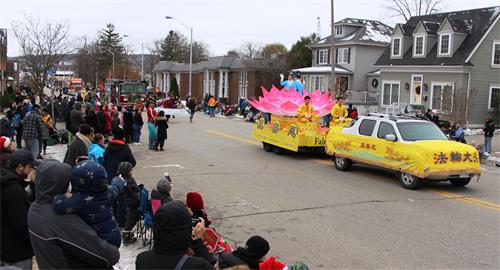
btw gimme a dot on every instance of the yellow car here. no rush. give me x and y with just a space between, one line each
415 149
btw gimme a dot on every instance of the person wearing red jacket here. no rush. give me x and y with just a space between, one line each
107 117
151 113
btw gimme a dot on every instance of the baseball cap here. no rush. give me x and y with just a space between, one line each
23 157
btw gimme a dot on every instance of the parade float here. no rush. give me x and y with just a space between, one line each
284 129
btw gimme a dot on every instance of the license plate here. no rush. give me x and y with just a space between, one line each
464 175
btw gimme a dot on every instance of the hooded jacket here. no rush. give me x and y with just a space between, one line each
172 238
63 242
116 152
15 241
76 149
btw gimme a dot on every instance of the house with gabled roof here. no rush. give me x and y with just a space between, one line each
359 43
448 62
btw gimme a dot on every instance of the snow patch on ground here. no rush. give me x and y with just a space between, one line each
472 132
56 152
128 254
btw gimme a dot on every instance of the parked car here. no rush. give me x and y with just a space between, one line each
415 149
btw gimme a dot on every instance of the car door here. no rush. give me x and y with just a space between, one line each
396 155
361 143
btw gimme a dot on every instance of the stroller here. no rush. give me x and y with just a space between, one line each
145 224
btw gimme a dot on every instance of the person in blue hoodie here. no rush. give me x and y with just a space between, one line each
96 149
288 83
92 199
297 85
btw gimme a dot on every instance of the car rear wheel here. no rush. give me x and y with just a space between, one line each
409 181
341 163
278 150
460 182
267 147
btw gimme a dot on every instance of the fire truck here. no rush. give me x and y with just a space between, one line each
126 92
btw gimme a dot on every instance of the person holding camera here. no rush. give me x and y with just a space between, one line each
173 237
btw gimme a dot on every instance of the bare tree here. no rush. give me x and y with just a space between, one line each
42 46
155 56
411 8
250 50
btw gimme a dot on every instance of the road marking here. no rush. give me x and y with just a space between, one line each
449 195
164 166
225 135
466 199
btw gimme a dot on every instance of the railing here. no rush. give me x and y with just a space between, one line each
362 96
395 108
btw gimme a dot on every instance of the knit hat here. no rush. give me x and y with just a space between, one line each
194 201
124 168
89 176
118 134
23 157
164 186
257 246
4 143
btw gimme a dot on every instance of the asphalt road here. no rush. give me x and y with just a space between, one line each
311 212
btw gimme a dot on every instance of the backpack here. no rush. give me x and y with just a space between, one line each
145 206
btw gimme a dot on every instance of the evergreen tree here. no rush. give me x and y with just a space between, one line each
173 47
174 87
110 41
300 55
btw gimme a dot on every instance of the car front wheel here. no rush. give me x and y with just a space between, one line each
460 182
409 181
267 147
341 163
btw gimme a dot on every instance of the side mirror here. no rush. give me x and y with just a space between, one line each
390 137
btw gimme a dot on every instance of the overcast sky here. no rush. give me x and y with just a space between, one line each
222 24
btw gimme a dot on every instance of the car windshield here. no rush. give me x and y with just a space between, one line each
420 131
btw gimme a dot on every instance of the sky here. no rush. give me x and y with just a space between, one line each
221 24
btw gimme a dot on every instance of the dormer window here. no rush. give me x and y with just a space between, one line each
396 47
419 46
444 44
338 31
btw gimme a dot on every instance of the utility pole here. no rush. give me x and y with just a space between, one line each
332 50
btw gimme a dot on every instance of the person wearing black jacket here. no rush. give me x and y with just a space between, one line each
116 152
127 123
489 130
15 247
64 241
101 120
173 235
131 200
137 126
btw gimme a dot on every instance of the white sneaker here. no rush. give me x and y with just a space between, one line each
139 143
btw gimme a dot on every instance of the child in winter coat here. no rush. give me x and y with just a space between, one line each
96 149
92 199
161 194
137 123
131 199
161 134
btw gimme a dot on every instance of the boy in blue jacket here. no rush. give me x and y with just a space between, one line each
92 199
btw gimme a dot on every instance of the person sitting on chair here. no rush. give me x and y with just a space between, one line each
305 112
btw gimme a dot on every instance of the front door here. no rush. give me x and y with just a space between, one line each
416 89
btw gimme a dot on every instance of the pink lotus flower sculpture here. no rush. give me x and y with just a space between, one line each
285 103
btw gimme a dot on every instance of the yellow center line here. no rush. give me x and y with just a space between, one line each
466 199
449 195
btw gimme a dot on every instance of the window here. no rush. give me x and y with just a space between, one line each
243 84
338 30
323 57
420 131
444 44
396 47
366 127
494 98
343 57
442 97
390 93
385 129
315 83
418 48
495 54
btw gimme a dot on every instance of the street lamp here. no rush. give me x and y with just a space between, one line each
113 55
190 50
142 56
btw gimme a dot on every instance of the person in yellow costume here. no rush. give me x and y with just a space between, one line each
305 112
339 112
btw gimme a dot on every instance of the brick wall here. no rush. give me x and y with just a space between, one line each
234 84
